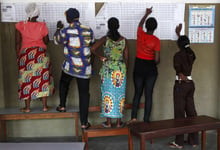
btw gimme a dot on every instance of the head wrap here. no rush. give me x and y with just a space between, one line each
32 10
72 13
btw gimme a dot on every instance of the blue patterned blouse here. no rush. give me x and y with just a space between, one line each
77 40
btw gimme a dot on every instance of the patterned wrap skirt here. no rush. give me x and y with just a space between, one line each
113 86
34 77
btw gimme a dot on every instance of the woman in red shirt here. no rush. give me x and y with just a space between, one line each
145 69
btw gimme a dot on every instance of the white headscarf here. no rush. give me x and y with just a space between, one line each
32 10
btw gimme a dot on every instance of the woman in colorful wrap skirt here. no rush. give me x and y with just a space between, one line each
113 73
34 79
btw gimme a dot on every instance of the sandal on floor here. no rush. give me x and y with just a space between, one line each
174 145
25 110
86 126
131 121
61 109
194 145
121 125
104 124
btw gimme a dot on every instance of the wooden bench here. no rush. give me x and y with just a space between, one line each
42 146
7 114
100 131
165 128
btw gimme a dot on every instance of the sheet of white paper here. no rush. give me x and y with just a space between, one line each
49 13
8 12
130 13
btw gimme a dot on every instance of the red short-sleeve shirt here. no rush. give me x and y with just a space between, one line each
146 45
32 33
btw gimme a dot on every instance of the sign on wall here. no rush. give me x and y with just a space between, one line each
201 23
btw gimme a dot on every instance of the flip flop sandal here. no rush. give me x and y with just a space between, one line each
105 125
86 126
131 122
60 110
174 145
194 145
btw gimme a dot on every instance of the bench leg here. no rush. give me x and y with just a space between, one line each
4 130
203 140
152 141
3 125
218 140
130 140
0 130
85 139
142 143
77 127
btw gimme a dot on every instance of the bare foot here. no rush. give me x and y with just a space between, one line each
120 125
25 110
46 108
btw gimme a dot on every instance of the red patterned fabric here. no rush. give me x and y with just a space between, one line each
35 79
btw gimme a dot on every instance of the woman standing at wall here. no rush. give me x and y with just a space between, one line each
184 88
34 80
145 69
113 73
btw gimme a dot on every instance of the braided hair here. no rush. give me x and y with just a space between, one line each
113 25
184 44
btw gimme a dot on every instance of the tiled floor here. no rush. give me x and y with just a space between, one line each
121 142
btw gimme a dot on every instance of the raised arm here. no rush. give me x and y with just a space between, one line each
177 65
178 29
147 13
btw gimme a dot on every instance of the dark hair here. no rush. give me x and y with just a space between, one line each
71 14
151 24
113 26
183 43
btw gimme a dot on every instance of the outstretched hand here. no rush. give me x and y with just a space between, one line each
149 11
59 25
178 29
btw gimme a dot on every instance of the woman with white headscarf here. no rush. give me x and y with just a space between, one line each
35 80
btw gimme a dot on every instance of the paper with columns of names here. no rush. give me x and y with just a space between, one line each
129 14
49 13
